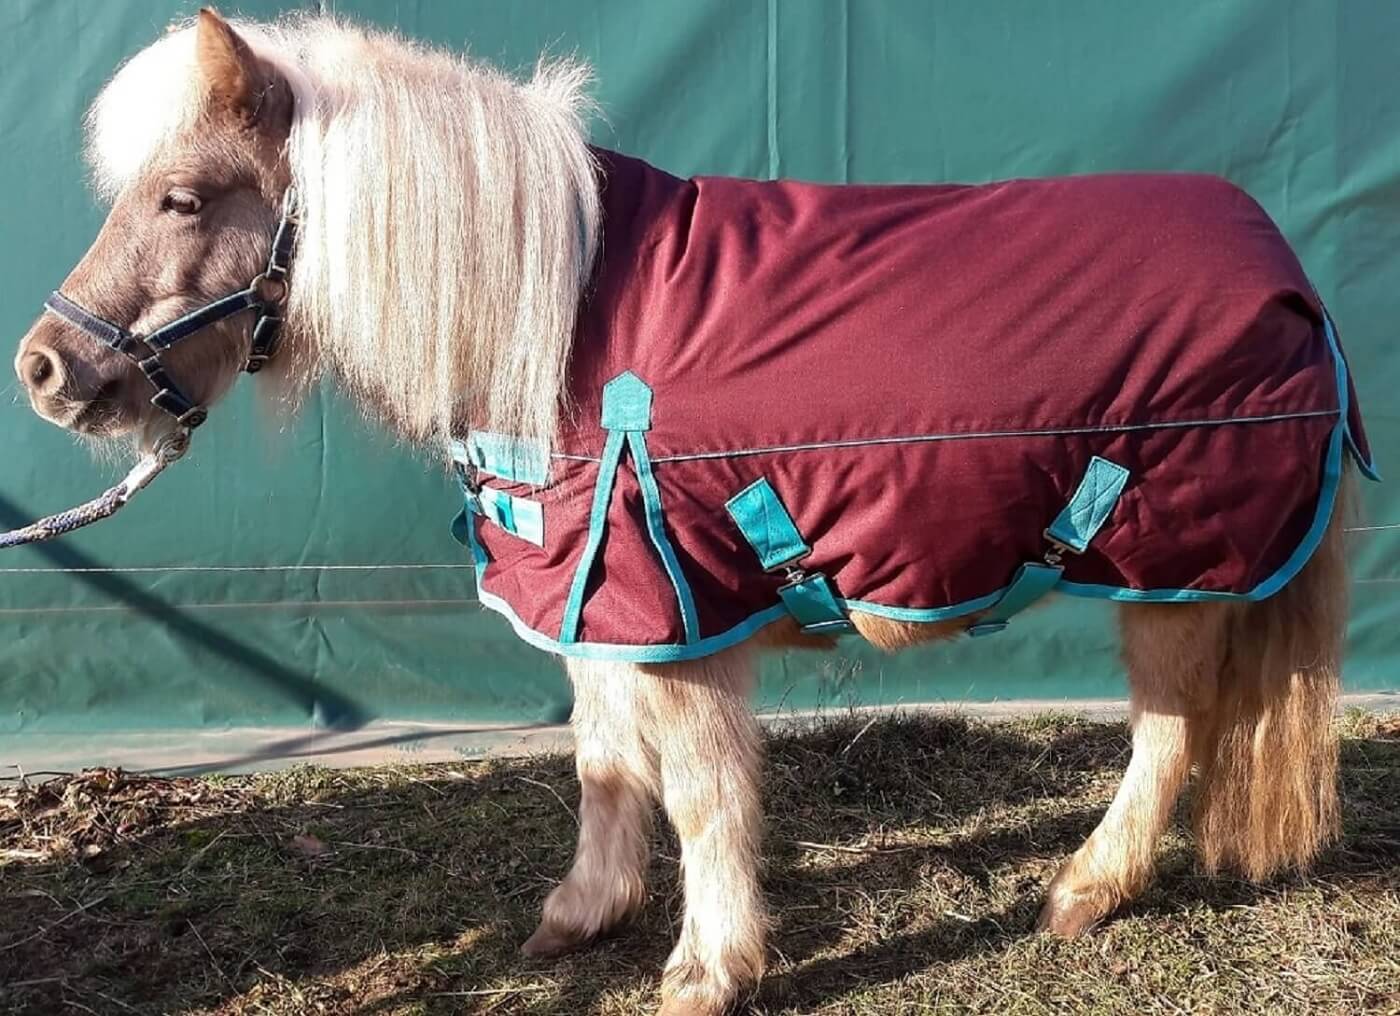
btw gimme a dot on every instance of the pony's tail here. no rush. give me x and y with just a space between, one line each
1267 796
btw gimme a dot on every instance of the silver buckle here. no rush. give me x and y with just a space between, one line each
1058 549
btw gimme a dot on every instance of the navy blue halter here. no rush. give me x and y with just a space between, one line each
266 294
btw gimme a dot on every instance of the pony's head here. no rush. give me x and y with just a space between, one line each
448 216
197 186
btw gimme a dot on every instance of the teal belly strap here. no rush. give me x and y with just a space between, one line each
1072 530
768 527
1033 580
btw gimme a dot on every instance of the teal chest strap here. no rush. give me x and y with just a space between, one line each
772 534
1072 530
519 516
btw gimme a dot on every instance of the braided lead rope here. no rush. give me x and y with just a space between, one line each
166 451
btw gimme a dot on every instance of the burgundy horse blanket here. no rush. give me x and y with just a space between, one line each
923 402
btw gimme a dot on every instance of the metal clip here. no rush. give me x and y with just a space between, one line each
467 474
1057 550
792 572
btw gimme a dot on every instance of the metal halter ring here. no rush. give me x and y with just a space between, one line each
271 289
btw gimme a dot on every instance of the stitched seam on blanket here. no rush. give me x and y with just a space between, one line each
968 436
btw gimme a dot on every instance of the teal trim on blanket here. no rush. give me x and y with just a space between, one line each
1090 505
668 653
1367 466
1268 587
924 615
510 458
711 644
1339 445
597 523
656 527
1032 582
627 403
764 521
1326 502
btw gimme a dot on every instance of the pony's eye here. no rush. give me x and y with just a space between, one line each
182 202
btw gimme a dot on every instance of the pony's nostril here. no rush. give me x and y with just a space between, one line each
40 371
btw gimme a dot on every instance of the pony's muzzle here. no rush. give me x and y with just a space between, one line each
71 382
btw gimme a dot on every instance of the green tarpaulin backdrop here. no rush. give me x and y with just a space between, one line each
287 573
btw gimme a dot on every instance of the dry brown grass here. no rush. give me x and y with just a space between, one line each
905 864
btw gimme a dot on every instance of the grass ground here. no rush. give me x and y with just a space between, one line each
905 862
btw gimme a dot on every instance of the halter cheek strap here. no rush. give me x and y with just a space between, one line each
266 294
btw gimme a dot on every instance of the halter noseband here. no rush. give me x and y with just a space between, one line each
266 294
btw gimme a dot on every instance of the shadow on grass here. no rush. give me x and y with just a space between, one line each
916 843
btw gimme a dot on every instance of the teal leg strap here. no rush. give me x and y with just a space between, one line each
1072 530
627 417
651 499
597 523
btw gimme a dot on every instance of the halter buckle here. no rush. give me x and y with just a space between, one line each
153 368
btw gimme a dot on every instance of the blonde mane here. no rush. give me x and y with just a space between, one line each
450 216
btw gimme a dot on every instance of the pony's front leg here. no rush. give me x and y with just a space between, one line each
619 777
708 745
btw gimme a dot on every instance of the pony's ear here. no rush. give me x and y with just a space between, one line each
234 79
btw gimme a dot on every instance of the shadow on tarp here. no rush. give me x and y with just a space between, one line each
313 746
328 707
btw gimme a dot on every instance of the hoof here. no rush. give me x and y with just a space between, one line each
687 1007
688 989
1070 915
549 941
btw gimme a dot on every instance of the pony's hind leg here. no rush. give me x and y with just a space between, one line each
620 780
708 744
1174 655
1266 798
